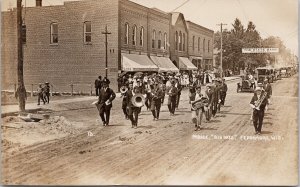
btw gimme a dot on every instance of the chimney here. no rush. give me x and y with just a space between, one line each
38 2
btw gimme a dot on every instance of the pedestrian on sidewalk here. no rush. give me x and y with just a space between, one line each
98 85
40 92
47 92
104 105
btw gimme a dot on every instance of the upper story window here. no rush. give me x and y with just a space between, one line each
153 38
87 32
126 33
176 40
198 43
193 43
204 45
180 41
208 43
159 40
183 39
134 35
165 41
54 33
142 37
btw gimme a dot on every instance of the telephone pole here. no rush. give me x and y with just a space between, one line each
106 33
221 62
21 91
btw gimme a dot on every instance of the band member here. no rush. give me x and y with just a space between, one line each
133 111
164 88
192 93
268 88
172 92
148 91
179 89
216 98
258 103
40 92
47 92
104 105
124 101
197 112
223 92
209 94
156 96
140 89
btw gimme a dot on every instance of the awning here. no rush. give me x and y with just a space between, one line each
135 62
164 64
186 64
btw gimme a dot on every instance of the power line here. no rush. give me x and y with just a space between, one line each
181 5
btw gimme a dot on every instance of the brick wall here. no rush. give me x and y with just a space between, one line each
71 61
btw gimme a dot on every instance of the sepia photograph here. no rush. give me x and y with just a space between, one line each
149 92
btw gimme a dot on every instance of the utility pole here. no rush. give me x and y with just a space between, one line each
21 91
106 33
221 62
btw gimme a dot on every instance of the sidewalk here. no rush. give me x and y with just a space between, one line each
11 109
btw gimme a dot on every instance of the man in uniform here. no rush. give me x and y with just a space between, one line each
223 92
258 111
216 98
155 101
209 93
124 101
179 89
268 88
133 111
172 92
104 105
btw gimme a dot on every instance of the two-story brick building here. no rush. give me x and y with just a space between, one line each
65 44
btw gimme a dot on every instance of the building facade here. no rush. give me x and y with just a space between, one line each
65 44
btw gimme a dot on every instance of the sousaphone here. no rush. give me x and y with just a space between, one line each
138 100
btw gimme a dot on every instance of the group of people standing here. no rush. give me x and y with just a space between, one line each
43 93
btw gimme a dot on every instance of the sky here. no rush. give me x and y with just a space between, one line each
271 17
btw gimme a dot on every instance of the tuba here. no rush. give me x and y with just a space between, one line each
138 100
123 89
260 100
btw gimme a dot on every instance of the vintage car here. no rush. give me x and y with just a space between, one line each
246 84
263 73
277 74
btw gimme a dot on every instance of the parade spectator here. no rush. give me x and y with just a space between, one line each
98 85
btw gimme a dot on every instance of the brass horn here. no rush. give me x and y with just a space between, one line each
138 100
123 89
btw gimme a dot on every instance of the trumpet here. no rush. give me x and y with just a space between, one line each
138 100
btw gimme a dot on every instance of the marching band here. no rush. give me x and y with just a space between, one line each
151 91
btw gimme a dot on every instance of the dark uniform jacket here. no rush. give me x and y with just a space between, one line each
263 104
109 94
268 89
210 95
224 88
129 96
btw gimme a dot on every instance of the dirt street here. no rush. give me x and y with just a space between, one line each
168 151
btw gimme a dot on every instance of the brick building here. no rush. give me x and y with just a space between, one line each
65 44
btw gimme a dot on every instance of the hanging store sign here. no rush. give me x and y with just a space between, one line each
260 50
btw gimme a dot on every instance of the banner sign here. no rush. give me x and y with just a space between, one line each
260 50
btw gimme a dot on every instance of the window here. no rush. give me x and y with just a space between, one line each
153 38
159 40
180 41
203 45
165 41
54 33
208 43
87 32
176 40
134 35
183 38
198 43
193 43
142 37
126 33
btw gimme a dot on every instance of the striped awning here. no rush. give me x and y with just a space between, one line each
186 64
164 64
135 62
